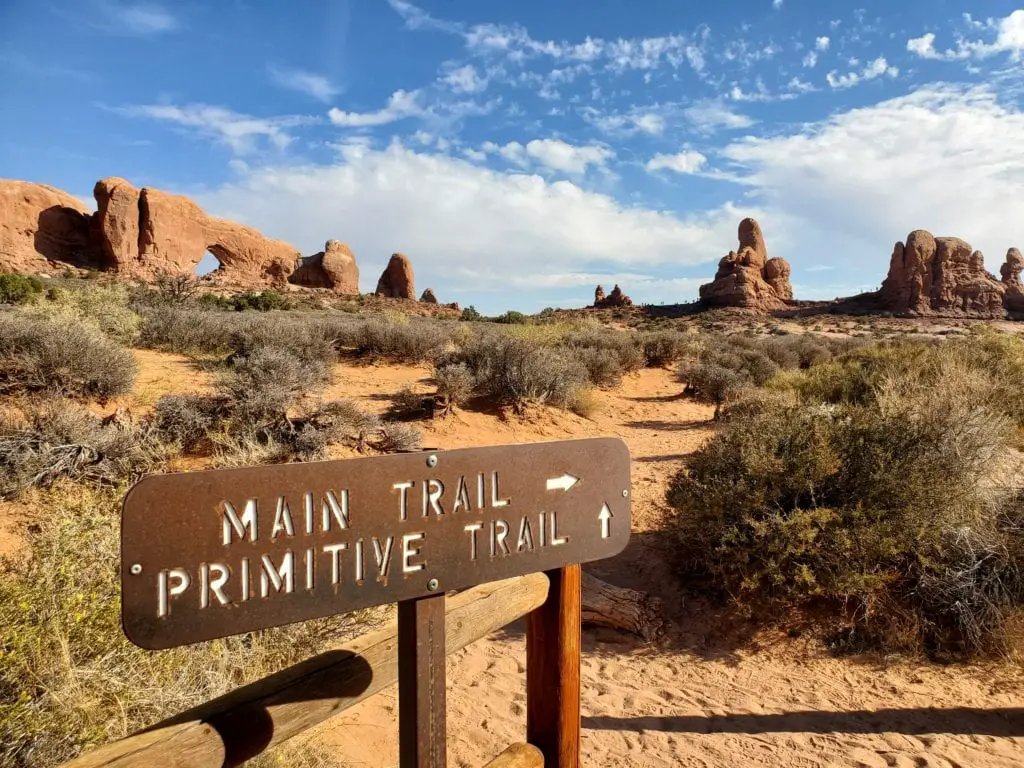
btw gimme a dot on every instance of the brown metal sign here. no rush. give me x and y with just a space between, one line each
221 552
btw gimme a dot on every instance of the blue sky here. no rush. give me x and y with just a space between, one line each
521 152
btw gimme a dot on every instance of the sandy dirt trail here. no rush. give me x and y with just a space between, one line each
700 696
705 694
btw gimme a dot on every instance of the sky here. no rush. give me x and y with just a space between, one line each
522 152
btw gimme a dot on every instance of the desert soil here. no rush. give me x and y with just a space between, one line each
706 694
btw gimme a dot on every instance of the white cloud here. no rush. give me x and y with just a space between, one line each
238 131
822 43
402 104
469 230
688 161
810 60
561 156
1009 39
309 83
874 69
709 116
417 18
553 154
776 4
833 181
625 124
141 18
465 80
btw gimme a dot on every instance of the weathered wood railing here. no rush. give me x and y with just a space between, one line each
236 727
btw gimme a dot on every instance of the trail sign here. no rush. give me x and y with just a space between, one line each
220 552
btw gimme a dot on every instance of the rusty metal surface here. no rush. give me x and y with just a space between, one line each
330 536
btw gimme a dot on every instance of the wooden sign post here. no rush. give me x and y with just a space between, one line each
222 552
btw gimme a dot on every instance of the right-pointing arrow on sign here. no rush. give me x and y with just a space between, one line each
563 483
606 521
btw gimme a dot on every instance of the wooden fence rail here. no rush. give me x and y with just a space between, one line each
233 728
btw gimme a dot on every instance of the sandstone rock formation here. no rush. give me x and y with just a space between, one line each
1013 299
428 296
748 278
396 282
334 267
42 228
614 299
931 274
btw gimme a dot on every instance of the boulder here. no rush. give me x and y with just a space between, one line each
943 275
614 299
43 228
397 281
748 278
334 267
428 296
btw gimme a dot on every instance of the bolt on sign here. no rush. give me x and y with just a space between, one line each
221 552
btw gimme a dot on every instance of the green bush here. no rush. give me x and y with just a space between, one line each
886 508
512 318
69 358
470 314
264 301
19 289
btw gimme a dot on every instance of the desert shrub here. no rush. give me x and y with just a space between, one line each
455 385
265 301
397 437
512 318
169 288
70 680
70 358
44 442
411 342
520 372
19 289
470 314
712 383
885 509
302 336
624 348
106 307
188 419
261 385
406 404
602 365
187 331
584 403
661 348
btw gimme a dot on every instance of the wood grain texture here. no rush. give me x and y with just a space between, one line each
421 683
553 642
518 756
606 605
235 727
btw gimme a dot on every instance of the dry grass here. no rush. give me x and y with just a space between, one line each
69 680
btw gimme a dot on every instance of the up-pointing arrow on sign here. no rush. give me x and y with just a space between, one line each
606 521
563 483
